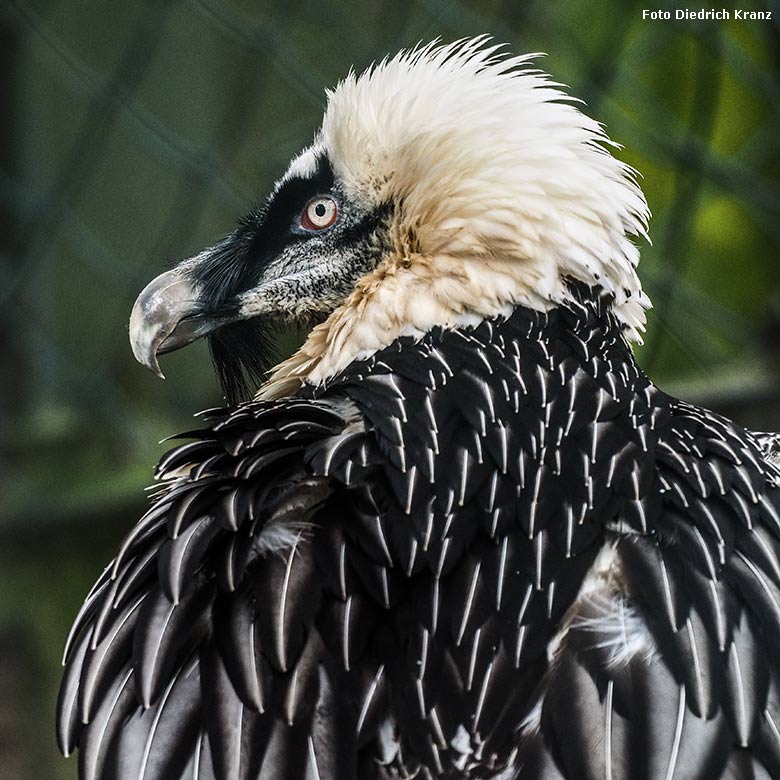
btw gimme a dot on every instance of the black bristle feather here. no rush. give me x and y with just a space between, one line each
242 353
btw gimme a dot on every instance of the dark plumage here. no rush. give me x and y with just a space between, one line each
448 498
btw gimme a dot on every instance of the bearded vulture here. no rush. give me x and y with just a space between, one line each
459 533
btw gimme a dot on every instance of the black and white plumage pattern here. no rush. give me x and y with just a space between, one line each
498 551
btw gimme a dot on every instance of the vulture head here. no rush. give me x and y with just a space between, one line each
446 185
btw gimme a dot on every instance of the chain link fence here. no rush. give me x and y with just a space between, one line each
133 133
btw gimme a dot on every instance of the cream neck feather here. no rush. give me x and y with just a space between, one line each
406 296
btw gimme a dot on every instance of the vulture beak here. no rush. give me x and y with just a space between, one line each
165 317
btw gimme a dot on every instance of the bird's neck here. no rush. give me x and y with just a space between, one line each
411 296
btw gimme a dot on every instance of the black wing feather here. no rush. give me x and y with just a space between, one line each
488 551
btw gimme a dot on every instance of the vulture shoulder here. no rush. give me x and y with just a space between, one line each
461 557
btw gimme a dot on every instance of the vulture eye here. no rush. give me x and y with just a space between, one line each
320 213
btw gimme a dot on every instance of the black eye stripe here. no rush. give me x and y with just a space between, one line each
240 260
284 208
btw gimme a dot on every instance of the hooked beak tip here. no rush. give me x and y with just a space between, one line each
166 317
154 367
156 313
145 352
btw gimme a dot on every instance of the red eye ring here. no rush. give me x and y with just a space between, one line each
320 213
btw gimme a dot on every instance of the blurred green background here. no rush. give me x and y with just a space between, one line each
133 133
